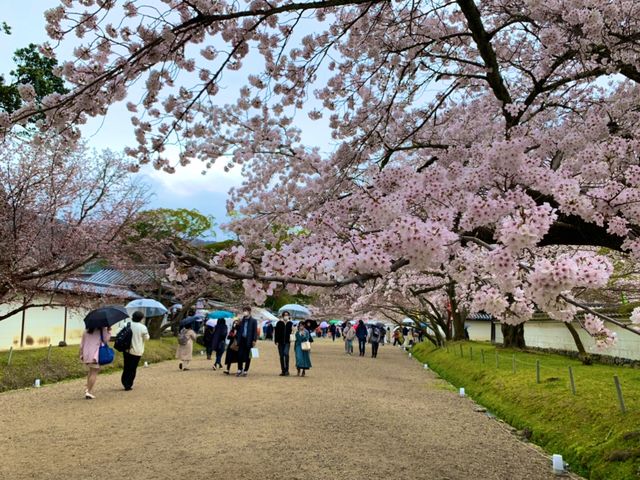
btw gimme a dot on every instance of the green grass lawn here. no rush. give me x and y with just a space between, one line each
588 429
27 365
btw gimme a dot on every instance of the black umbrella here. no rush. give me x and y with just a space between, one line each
105 316
310 324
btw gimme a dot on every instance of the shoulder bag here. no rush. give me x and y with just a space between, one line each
105 353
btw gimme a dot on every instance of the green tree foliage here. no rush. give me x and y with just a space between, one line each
178 224
31 68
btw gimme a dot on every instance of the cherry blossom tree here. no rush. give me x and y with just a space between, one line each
467 134
60 209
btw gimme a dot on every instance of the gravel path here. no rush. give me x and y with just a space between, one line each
351 418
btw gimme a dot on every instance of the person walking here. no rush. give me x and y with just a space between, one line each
282 339
361 333
303 355
139 335
90 343
218 341
208 340
332 330
232 350
184 353
247 337
375 337
349 333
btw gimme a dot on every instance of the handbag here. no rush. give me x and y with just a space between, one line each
305 346
105 352
234 345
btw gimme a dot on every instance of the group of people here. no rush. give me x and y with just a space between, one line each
93 338
237 341
374 335
241 338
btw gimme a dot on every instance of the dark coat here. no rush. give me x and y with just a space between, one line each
232 355
219 335
361 331
282 332
252 331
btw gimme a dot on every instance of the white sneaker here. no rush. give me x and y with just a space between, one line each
89 396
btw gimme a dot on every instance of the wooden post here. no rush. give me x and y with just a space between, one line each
513 363
24 314
49 354
64 335
482 355
10 355
619 390
573 384
461 353
537 371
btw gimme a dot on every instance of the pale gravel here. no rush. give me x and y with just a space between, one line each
351 418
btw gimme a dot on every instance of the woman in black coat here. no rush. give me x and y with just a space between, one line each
232 351
208 340
217 341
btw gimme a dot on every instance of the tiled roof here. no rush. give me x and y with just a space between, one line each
125 278
84 287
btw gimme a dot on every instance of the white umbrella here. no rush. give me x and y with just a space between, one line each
324 325
148 306
407 321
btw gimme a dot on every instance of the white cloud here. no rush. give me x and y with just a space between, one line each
190 182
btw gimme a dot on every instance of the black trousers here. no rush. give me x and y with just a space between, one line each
362 343
283 351
129 370
374 349
244 356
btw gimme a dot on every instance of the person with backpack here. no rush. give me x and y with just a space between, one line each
92 338
218 341
375 337
184 353
361 333
139 334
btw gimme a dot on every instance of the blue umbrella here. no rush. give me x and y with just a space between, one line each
295 310
220 314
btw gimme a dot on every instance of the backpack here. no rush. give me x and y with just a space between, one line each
375 334
183 338
123 339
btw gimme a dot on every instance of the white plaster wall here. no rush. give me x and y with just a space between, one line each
42 326
479 330
549 334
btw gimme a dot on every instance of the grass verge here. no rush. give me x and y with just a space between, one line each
27 365
588 428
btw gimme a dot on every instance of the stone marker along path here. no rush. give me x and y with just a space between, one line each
350 418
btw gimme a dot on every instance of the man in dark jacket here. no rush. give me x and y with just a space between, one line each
361 333
247 337
282 337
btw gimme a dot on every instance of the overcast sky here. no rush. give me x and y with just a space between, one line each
187 188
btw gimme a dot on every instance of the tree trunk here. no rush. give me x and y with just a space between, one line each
513 335
458 317
583 355
154 325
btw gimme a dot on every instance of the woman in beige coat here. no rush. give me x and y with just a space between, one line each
185 347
